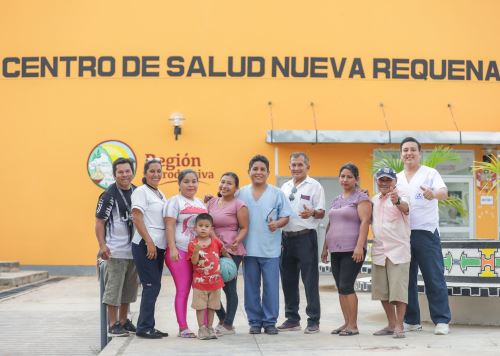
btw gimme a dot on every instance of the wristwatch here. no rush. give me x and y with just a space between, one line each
313 214
399 201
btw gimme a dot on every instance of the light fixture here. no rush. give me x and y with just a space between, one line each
176 119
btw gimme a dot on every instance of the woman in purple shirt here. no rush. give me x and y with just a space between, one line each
346 237
231 225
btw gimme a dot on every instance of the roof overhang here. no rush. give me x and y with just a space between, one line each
383 137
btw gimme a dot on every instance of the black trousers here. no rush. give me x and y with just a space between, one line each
150 275
299 256
227 315
345 271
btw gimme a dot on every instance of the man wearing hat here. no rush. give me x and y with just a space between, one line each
391 254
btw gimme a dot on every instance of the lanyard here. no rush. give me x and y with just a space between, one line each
156 191
123 198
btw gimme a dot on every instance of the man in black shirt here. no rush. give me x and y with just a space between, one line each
114 231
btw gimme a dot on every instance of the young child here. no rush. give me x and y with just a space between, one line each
204 252
390 251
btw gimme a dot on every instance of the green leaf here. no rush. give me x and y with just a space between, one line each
440 155
455 203
493 167
387 160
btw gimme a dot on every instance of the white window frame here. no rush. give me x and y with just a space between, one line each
471 211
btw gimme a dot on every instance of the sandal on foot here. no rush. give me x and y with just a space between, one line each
383 332
399 334
337 331
346 332
186 334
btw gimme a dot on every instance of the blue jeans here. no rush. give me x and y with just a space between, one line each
227 316
262 311
426 254
150 275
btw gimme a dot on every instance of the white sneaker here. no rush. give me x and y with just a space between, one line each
412 327
221 330
441 329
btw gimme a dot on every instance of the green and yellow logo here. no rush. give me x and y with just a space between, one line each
101 158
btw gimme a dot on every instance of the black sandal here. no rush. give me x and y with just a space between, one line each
346 332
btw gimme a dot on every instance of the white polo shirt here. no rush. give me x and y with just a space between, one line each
309 193
424 214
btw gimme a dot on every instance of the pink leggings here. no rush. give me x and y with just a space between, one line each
182 273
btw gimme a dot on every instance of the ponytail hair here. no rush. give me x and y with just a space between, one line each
146 167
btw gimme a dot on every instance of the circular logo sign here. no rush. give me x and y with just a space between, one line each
101 158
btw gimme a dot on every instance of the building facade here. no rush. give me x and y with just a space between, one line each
83 83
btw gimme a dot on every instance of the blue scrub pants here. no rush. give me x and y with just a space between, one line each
262 310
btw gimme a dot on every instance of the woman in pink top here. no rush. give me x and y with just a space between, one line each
231 225
345 239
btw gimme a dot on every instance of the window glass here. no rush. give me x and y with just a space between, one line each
462 167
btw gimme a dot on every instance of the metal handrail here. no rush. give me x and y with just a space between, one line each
101 265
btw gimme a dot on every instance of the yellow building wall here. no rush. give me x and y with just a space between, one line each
50 125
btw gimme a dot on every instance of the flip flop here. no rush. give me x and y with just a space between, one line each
399 335
384 332
336 331
186 334
346 332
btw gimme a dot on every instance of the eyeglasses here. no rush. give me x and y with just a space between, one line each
269 215
292 196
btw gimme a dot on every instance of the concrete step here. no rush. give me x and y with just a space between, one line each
16 279
9 266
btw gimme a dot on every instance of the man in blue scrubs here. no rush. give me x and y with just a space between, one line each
269 210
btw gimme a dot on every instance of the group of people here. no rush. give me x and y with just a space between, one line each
272 232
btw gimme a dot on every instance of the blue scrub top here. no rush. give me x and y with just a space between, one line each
260 241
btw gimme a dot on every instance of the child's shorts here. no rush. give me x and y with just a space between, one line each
390 282
203 299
